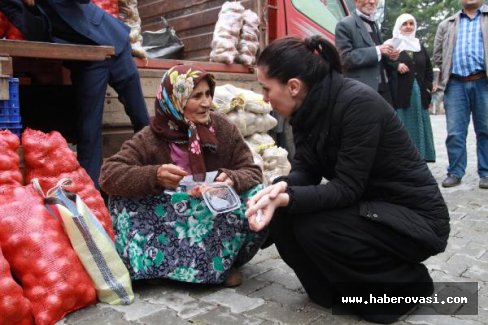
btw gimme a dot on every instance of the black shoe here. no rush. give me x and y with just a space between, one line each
451 181
484 182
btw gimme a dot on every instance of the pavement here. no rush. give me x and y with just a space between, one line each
271 293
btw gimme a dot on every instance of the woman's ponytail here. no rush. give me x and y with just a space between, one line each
326 50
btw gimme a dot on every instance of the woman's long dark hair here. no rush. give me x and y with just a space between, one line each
309 60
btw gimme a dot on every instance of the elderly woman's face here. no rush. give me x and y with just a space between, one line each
407 27
197 107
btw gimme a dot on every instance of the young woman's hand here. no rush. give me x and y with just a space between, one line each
223 177
169 175
262 206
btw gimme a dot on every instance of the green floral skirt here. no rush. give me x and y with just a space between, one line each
177 237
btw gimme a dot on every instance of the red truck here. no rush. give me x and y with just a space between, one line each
47 97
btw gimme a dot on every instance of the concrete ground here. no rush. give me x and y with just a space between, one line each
271 293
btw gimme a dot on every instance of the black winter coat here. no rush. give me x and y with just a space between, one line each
421 69
346 132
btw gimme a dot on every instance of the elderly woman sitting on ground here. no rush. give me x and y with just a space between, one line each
161 230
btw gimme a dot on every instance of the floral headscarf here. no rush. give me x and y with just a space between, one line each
169 121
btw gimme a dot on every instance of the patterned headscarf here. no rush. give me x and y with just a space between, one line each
169 121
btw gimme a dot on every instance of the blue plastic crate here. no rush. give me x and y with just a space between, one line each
14 119
10 104
13 101
9 125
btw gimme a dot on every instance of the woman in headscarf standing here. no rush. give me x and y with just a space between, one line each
165 233
414 86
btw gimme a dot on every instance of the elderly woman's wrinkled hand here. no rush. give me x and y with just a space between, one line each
169 175
261 207
224 178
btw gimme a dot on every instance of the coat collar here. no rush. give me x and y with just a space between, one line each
484 10
362 29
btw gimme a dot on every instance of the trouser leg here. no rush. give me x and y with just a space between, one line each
457 106
317 286
124 78
354 256
90 83
479 99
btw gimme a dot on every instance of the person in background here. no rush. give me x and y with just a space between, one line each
461 53
414 87
82 22
364 55
165 234
380 214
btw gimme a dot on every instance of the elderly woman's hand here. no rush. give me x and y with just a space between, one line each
169 175
223 177
30 3
261 207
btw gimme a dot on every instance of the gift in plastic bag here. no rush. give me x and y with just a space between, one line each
91 243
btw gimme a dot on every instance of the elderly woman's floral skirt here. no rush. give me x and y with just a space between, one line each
177 237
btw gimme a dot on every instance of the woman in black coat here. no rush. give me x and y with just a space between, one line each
380 214
414 86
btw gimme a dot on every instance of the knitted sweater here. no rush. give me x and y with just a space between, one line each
132 171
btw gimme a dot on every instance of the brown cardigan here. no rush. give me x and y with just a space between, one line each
132 171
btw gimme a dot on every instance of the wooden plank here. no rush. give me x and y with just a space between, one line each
42 50
165 8
194 20
209 66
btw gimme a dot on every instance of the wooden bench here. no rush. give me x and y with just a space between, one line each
42 50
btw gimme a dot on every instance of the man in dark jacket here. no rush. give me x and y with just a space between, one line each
82 22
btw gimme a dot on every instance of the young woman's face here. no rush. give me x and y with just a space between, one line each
276 93
197 107
407 27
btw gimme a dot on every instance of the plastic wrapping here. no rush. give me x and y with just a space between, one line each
226 32
248 44
130 16
275 163
227 98
249 123
260 141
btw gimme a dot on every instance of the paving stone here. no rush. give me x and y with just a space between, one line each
237 303
164 316
277 293
285 278
221 316
285 314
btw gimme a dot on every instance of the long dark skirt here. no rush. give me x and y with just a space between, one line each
340 253
177 237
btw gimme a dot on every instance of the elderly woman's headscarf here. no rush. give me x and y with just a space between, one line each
169 121
410 42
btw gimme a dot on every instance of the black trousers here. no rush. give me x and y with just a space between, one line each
340 253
